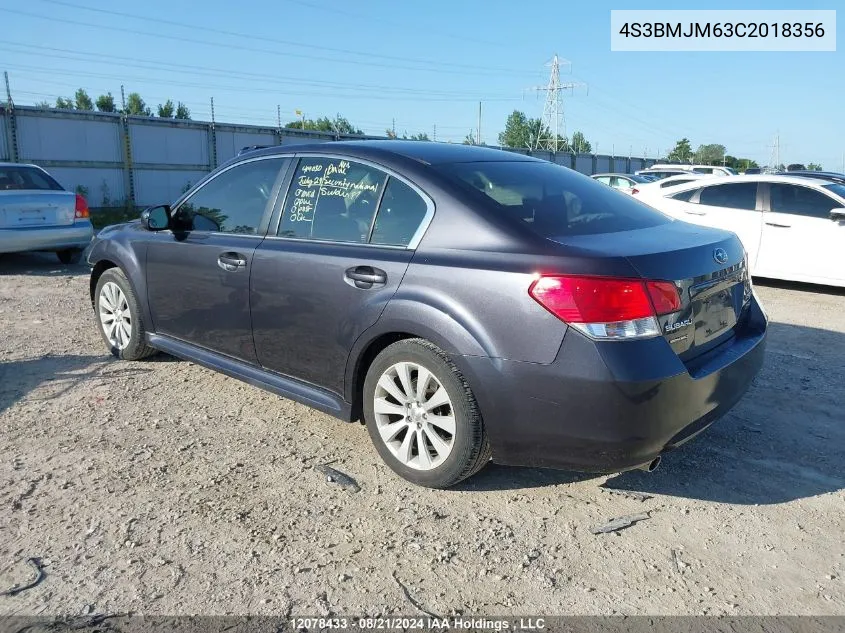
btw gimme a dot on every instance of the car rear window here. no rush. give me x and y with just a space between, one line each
18 177
551 200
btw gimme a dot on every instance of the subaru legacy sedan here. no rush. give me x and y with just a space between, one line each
464 303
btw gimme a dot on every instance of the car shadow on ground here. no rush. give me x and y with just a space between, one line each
784 441
50 376
39 265
799 286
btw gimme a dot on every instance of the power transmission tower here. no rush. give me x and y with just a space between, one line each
774 161
553 129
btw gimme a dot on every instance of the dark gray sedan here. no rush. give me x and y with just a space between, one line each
463 302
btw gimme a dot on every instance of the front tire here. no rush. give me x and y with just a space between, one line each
118 316
422 416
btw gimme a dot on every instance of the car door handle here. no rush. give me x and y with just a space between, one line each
365 277
231 262
780 226
695 212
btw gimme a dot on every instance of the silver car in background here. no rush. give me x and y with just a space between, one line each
37 214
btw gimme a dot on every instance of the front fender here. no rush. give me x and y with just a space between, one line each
128 255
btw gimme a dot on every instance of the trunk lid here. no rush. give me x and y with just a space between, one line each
32 208
706 265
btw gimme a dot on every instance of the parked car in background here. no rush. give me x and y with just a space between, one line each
648 190
796 167
384 281
37 214
792 227
831 176
753 170
623 182
715 170
660 173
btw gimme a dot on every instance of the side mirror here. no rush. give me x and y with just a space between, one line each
156 218
837 215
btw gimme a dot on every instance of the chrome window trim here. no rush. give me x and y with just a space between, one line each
415 239
274 195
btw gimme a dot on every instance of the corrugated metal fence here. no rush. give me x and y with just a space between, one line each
144 160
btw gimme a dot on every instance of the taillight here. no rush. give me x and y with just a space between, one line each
81 208
607 307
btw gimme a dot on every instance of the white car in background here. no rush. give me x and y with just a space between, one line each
792 227
624 182
657 188
710 170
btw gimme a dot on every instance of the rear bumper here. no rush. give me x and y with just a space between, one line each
610 406
47 238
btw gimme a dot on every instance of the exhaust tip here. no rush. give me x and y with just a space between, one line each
651 466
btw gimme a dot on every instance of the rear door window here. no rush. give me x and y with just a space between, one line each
740 195
800 201
332 199
400 215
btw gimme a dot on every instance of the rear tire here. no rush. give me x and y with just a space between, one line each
69 255
118 316
422 415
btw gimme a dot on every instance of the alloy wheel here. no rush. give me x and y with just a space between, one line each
414 416
115 315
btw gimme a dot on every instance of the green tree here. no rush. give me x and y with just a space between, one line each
713 154
580 144
182 111
338 125
105 103
167 110
522 132
135 105
44 105
82 101
515 133
422 136
470 139
814 167
682 151
64 104
390 133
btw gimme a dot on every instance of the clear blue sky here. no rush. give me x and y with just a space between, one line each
429 63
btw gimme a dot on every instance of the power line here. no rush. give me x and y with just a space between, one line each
274 40
368 18
264 79
445 69
241 89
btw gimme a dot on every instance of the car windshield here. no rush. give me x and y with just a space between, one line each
21 177
837 188
551 200
640 178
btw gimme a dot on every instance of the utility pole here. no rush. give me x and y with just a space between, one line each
553 116
435 132
393 128
279 117
14 154
478 131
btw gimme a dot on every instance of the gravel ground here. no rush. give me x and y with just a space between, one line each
160 487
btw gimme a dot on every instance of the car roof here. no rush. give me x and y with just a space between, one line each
612 173
18 165
718 180
427 152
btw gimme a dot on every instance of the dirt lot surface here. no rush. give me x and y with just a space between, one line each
160 487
